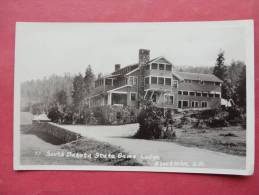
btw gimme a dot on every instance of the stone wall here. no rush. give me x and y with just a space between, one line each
56 131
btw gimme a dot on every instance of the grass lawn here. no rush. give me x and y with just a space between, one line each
39 148
230 140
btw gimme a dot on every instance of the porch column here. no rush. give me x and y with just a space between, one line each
128 99
109 99
89 102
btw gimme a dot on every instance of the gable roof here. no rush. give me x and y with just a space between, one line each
160 59
126 69
197 76
130 68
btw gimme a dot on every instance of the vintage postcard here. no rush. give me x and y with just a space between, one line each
156 96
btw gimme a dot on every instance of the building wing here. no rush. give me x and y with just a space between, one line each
197 77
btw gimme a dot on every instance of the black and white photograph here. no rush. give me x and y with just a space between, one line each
154 96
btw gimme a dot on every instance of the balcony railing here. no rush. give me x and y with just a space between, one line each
104 88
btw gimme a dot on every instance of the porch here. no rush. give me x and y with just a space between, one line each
118 98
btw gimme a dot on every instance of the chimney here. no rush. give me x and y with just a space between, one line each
117 67
143 56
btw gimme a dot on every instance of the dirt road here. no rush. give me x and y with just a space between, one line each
158 153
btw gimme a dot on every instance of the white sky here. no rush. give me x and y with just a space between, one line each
43 49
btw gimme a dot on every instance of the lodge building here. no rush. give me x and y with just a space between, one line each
156 80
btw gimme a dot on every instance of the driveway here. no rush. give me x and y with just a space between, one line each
158 153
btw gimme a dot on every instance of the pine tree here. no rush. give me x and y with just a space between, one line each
220 69
61 97
78 90
88 81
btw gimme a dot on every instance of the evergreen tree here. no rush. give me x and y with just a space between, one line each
220 69
78 90
88 81
61 97
241 89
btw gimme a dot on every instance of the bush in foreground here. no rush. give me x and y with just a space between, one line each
153 124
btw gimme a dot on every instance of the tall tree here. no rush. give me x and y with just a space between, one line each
78 90
88 81
220 69
61 97
241 89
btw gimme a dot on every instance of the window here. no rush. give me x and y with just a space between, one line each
154 66
148 67
175 83
217 83
147 80
185 92
198 94
161 67
191 93
204 104
211 95
196 104
168 67
204 94
153 80
161 80
179 92
133 97
169 99
193 104
179 104
217 95
168 81
185 103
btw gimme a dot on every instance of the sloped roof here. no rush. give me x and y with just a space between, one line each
160 58
198 76
198 87
126 69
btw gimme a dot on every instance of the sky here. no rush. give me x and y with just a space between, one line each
43 49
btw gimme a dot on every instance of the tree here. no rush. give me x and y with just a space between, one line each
88 81
220 69
234 71
241 89
61 97
78 90
99 76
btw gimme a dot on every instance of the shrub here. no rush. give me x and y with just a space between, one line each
152 123
54 114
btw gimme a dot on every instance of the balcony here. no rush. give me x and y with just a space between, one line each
111 85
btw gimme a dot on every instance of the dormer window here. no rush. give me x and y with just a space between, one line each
154 66
161 67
